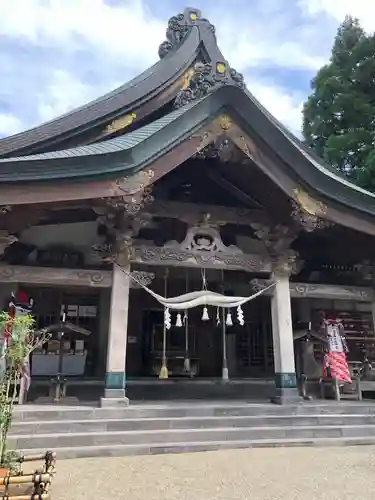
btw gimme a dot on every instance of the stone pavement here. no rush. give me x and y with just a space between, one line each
340 473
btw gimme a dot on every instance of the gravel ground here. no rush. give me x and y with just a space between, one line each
256 474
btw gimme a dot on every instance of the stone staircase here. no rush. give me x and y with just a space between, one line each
191 426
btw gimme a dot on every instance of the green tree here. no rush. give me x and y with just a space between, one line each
339 115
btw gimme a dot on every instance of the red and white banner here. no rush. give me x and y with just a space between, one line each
335 362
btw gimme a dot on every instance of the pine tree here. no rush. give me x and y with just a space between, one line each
339 115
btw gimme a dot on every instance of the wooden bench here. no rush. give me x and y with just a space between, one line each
25 486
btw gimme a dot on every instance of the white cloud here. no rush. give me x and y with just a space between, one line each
364 10
64 92
9 124
114 30
285 106
244 43
121 40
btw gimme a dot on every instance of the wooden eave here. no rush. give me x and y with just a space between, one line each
170 141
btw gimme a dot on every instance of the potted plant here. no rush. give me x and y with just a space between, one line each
19 341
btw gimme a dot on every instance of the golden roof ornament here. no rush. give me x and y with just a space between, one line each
309 204
308 212
120 123
225 122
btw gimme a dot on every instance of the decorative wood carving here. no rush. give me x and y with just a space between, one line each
178 27
135 192
214 135
121 228
6 239
208 77
205 237
176 257
278 240
142 277
308 212
322 291
221 148
55 276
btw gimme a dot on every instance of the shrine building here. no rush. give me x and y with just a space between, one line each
181 181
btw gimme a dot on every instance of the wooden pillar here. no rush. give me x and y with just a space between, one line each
115 377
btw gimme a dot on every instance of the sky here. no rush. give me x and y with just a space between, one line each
56 55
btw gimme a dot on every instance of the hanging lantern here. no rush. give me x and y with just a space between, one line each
179 320
217 316
205 316
229 321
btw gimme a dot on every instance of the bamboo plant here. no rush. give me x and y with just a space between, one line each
21 343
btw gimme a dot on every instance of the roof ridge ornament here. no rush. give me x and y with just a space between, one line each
179 26
206 78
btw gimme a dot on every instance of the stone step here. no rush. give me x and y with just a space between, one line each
117 450
129 424
160 436
49 413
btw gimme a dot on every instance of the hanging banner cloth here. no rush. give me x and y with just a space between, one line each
199 298
335 359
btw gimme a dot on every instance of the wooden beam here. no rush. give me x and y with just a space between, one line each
164 256
231 188
55 276
322 291
193 213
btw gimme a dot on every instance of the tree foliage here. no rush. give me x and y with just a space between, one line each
339 115
14 355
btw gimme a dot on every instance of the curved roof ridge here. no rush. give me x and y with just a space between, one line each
180 49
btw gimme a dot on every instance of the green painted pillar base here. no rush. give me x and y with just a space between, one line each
286 391
285 380
115 380
114 392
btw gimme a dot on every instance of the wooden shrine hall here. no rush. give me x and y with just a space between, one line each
180 181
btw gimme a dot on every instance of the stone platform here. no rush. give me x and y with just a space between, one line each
185 426
146 389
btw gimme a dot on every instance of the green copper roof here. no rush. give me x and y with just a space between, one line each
140 148
101 158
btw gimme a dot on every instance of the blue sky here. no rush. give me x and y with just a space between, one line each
58 54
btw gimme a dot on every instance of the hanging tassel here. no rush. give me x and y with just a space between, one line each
187 365
163 374
179 320
205 316
229 321
167 319
185 318
240 317
217 317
